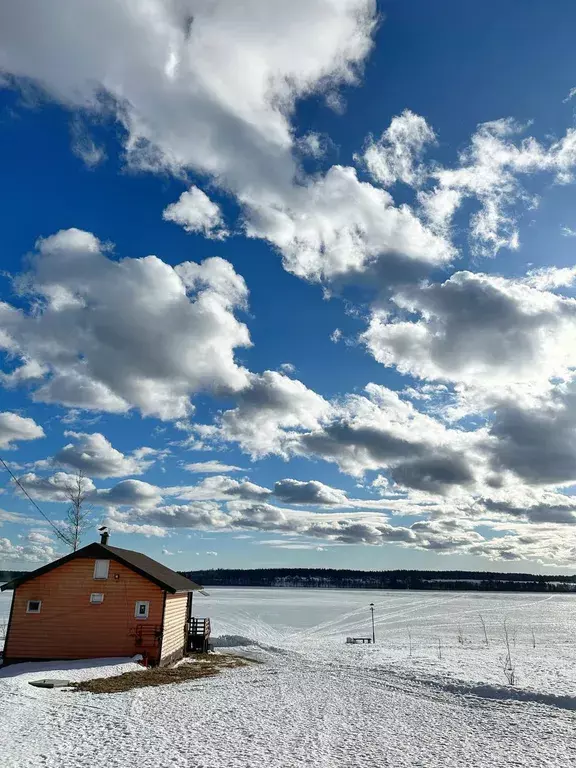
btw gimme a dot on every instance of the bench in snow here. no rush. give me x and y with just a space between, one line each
355 640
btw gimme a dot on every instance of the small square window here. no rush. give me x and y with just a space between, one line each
142 607
96 598
101 568
34 606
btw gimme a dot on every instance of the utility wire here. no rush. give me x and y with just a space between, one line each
30 499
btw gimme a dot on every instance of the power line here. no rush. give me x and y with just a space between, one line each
30 499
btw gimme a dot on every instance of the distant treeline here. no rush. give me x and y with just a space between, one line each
9 575
332 578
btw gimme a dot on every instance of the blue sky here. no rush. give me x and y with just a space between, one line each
291 285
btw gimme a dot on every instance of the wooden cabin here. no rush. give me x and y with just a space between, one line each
103 601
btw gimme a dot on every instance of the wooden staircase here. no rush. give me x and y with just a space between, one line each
198 635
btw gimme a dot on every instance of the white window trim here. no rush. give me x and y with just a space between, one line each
33 601
96 564
137 609
97 595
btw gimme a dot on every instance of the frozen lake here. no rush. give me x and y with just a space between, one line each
432 692
421 632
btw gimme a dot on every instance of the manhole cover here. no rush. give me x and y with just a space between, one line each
47 683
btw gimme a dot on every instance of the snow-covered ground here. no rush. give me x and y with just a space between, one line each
430 693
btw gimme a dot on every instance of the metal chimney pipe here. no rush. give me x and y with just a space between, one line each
104 536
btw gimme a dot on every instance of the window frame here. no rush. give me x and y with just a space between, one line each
137 614
34 601
96 602
101 578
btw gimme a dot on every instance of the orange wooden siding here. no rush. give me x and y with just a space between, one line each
70 627
174 624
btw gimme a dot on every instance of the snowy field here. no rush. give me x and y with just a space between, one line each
431 693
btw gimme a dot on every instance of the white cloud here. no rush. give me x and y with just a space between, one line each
310 492
205 86
359 433
28 371
550 278
381 431
14 428
211 467
396 155
313 144
336 227
33 551
532 519
54 488
482 330
267 408
202 515
536 439
128 493
95 455
219 487
84 146
489 169
38 537
18 519
197 213
134 333
117 525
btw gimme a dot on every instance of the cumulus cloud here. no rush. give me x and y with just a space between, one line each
338 228
489 170
14 428
127 493
197 213
550 278
211 467
548 545
449 529
310 492
396 155
219 487
135 333
536 439
56 488
379 431
477 329
375 431
209 87
94 454
271 405
118 525
31 551
203 515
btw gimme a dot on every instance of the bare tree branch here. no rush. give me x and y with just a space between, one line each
78 517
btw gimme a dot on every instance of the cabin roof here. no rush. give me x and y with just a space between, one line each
161 575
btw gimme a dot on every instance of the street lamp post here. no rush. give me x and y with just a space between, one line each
373 632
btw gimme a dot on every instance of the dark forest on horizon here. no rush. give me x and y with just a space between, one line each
333 578
339 578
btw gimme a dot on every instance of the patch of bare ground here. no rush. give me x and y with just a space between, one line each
199 666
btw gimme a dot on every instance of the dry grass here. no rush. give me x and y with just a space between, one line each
203 665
